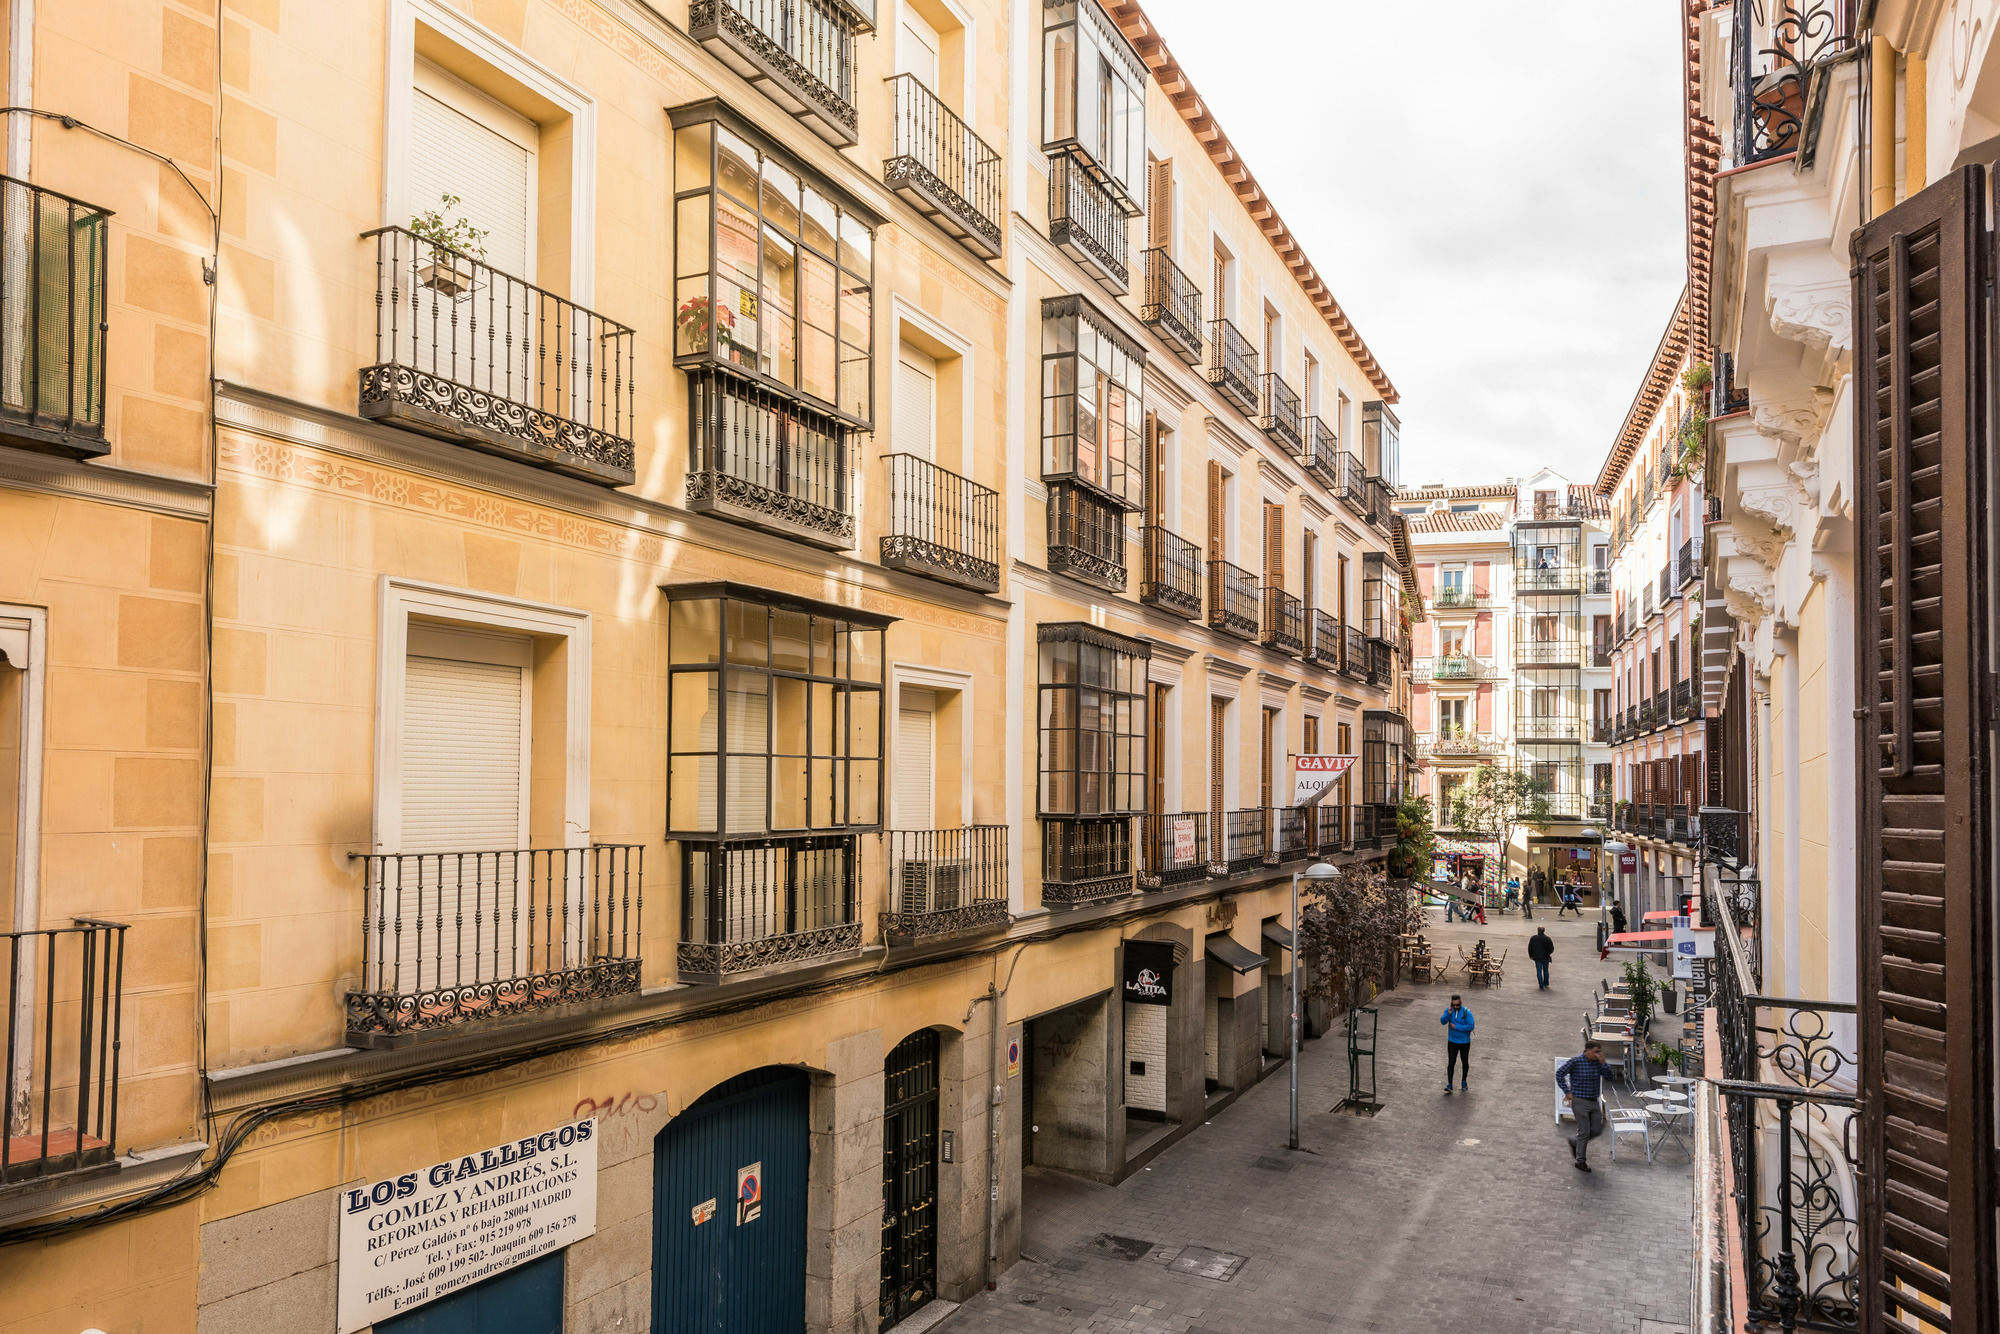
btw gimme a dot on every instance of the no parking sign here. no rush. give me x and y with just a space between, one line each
749 1193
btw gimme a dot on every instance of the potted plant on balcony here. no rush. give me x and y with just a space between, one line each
698 319
456 248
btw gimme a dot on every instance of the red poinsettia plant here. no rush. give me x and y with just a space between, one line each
698 315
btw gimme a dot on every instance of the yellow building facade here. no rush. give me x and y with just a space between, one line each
716 660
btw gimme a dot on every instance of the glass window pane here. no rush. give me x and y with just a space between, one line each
695 713
749 633
864 723
788 641
825 805
692 144
825 719
781 199
748 724
691 793
779 316
788 722
857 316
864 655
817 374
691 235
864 792
693 631
856 246
819 224
736 161
823 629
746 793
788 792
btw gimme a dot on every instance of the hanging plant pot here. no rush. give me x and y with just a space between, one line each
451 278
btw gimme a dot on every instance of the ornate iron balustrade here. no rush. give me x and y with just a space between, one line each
945 882
1173 849
944 169
1600 583
767 903
1662 709
1548 579
1601 731
1172 306
1643 720
1086 537
1680 827
1381 659
1232 600
1171 579
1084 861
1322 453
1780 50
1284 621
1460 743
65 993
1285 835
1278 415
1323 648
1548 652
1378 826
1527 727
1354 655
1088 223
1688 562
757 458
1722 836
1455 667
456 938
1353 483
1232 366
53 327
799 52
941 525
1460 598
1243 839
470 354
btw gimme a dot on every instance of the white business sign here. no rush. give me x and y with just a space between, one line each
410 1239
1313 776
1184 840
1691 943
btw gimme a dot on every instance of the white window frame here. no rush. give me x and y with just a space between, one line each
489 47
24 638
403 600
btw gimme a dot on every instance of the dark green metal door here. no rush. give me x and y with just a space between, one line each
524 1300
729 1209
909 1176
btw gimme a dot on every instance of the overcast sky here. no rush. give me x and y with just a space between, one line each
1493 194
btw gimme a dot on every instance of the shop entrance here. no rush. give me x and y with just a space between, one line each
1554 862
1065 1107
909 1176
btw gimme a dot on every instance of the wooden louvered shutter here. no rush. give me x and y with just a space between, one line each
1218 521
1160 206
1218 713
1925 990
1154 482
1274 545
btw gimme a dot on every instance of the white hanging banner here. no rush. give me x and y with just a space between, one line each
1313 776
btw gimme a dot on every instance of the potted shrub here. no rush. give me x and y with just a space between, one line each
456 248
1643 988
1697 378
697 319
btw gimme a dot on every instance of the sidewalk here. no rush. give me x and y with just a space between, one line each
1437 1216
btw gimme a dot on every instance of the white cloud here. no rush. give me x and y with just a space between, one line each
1492 192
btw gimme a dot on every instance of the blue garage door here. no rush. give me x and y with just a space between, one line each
525 1300
729 1210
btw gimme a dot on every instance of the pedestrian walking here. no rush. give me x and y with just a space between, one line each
1457 1021
1540 948
1581 1078
1617 919
1450 906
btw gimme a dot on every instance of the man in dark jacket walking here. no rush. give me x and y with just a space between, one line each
1457 1021
1540 948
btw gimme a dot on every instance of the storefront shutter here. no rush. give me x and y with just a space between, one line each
1924 883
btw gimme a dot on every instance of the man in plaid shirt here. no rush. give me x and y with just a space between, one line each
1580 1078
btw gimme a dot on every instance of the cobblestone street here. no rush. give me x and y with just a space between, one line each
1439 1214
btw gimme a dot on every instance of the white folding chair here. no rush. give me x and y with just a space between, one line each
1628 1121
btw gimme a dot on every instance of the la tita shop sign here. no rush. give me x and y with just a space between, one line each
413 1238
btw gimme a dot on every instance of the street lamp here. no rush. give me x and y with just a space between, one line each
1317 871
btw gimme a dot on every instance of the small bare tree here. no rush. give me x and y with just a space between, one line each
1350 930
1498 801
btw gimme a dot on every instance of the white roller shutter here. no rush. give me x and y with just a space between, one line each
464 143
916 403
917 48
916 749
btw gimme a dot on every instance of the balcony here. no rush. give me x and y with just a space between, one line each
1661 708
1687 564
1602 731
1669 587
1558 578
1598 811
1354 656
54 331
1552 509
760 459
65 991
1243 835
1171 579
1381 660
1354 484
469 354
1232 366
1643 720
1232 600
1600 584
765 904
1086 861
1322 454
1173 849
1380 496
1284 621
1460 598
1327 828
1548 652
1448 743
941 525
1286 837
1679 825
1323 646
1645 602
1454 667
1172 306
456 938
1683 700
799 53
1278 415
1532 728
1086 537
1088 223
945 882
1600 653
947 172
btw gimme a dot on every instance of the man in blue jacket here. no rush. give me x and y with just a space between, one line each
1457 1021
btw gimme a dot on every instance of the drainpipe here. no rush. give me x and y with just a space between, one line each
1881 127
1916 139
996 1106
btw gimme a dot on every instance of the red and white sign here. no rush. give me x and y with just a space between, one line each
1313 776
1184 841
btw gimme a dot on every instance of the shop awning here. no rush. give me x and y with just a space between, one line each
1452 888
1643 942
1225 951
1662 915
1278 934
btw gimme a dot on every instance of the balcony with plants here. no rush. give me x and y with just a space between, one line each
54 276
948 173
798 53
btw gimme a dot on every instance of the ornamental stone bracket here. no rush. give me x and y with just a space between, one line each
1819 315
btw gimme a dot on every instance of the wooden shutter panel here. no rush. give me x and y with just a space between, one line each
1923 885
1274 545
1160 206
1216 713
1217 520
1152 487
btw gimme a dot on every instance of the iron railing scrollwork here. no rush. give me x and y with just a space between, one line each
1780 50
938 156
1084 861
1086 537
1284 621
1243 843
767 903
944 882
807 44
1174 849
1278 414
1087 222
941 524
1172 575
1232 599
757 457
1232 366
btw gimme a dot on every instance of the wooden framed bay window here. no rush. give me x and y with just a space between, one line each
1382 758
1092 425
1094 96
1092 721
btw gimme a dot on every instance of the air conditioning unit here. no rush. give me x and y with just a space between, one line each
935 885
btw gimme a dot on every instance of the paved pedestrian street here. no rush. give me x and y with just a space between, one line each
1439 1214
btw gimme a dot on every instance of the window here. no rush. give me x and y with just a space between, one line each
773 272
1451 582
776 714
1341 785
1309 389
1380 441
1160 205
916 403
23 650
915 759
1378 596
1219 487
1451 641
1381 758
1344 411
1092 721
917 47
1094 94
1224 269
1090 401
1453 715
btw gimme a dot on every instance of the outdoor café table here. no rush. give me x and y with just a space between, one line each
1678 1081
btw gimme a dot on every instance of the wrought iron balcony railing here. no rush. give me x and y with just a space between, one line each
949 173
760 459
945 882
1323 646
65 992
1232 600
1278 415
1683 701
1286 838
1661 708
1529 727
1548 652
1381 660
767 903
1602 730
1777 50
1354 484
1687 564
470 354
1328 828
1173 849
1447 743
1086 537
1459 598
1284 621
1642 719
1564 578
1600 653
1380 494
1322 453
1172 306
1172 576
1084 861
941 524
53 328
1243 839
456 938
1088 223
1669 587
1354 653
1455 667
799 52
1232 366
1600 583
1645 601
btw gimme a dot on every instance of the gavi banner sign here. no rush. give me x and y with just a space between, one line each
1313 776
